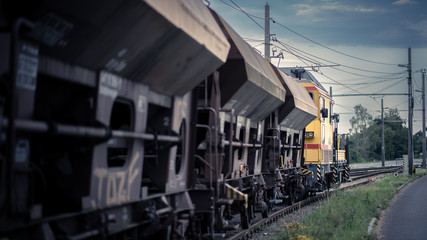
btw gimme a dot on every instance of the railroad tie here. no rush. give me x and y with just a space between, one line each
235 194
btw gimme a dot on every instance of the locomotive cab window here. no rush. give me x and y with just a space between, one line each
321 107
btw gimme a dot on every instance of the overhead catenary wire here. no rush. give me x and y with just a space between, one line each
305 58
287 49
392 82
404 102
341 65
398 77
339 83
319 63
416 83
385 76
241 10
329 48
258 45
345 107
300 58
251 16
360 83
389 86
252 40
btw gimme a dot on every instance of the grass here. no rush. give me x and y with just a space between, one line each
347 214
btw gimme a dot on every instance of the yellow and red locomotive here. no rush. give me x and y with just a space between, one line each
321 149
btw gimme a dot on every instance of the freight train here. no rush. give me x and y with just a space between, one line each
147 120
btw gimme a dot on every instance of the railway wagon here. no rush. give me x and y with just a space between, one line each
233 105
286 143
141 120
250 140
97 116
322 154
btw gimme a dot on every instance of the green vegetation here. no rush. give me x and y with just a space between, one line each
365 136
347 214
418 144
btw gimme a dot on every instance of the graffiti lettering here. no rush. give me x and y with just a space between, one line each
116 186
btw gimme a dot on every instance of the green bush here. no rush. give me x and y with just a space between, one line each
347 214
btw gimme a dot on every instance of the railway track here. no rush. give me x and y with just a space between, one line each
355 174
360 173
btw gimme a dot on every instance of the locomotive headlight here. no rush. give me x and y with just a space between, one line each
309 134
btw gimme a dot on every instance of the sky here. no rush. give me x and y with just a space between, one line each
358 45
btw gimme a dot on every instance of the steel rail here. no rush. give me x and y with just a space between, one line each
247 233
374 172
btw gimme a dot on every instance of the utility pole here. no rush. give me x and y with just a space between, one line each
267 32
335 135
410 114
423 73
382 134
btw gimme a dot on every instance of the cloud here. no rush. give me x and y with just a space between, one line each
404 2
420 27
390 33
307 9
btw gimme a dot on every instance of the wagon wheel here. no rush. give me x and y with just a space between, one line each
265 210
246 215
291 198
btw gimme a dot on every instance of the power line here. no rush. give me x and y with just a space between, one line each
310 59
300 58
367 82
361 75
392 85
316 62
249 16
341 65
252 40
360 83
346 107
338 82
335 68
345 54
287 28
405 102
241 10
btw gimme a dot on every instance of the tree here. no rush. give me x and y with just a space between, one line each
359 143
418 143
361 120
395 135
365 136
397 141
